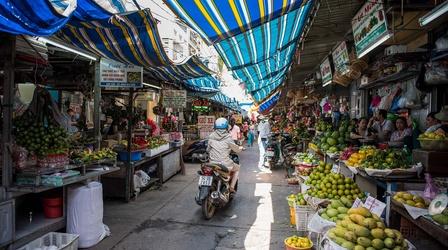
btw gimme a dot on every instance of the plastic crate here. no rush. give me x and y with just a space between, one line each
303 216
62 241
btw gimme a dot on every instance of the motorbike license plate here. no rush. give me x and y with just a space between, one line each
269 153
205 180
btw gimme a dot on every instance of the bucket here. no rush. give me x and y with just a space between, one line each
135 156
292 216
52 207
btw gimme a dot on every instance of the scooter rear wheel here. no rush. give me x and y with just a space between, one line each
208 209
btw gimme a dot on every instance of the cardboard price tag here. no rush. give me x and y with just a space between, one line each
335 168
357 203
375 206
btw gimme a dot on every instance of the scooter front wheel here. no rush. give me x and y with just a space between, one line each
208 209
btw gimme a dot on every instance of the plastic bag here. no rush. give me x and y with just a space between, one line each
436 73
411 94
442 42
431 189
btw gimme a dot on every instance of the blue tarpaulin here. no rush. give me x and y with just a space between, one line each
269 103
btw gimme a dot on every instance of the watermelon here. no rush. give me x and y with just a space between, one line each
335 135
341 140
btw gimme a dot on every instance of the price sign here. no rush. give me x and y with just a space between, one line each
335 168
119 75
174 98
325 71
375 206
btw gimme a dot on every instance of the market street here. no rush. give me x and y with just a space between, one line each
258 218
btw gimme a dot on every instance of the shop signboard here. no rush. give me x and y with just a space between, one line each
114 74
238 118
174 98
325 71
205 125
340 58
370 27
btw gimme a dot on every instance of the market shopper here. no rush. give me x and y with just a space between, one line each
263 132
235 131
361 131
402 131
383 127
220 144
442 116
251 135
432 123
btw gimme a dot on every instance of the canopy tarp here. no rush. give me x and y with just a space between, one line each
217 20
225 101
261 94
269 103
35 17
205 84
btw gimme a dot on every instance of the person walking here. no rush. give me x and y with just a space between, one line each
235 132
263 132
251 135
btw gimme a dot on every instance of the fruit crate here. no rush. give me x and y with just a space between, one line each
303 215
62 241
431 144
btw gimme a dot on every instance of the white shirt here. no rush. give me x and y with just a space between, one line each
264 128
382 129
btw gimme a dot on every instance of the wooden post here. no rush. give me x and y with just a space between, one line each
8 53
96 106
129 168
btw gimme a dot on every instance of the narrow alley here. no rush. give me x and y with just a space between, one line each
258 218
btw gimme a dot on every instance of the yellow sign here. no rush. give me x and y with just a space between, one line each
238 119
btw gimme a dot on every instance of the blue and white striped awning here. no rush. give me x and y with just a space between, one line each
205 84
269 103
257 40
225 101
217 20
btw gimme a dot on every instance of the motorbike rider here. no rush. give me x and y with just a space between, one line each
220 144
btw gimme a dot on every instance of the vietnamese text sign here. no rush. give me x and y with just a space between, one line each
340 58
174 98
119 75
206 121
325 71
369 25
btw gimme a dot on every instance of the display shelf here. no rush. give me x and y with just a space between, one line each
396 77
39 225
439 55
21 190
435 231
405 57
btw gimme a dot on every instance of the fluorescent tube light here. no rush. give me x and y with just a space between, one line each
376 44
326 84
434 14
65 47
152 86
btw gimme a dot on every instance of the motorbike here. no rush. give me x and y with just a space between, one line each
197 152
272 154
214 187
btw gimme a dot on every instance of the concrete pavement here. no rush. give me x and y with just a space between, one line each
169 218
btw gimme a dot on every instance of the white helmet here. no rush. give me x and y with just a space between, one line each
221 123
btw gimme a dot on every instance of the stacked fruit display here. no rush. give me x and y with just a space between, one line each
361 229
345 155
335 186
333 141
322 126
318 174
297 198
410 199
296 242
40 139
386 159
357 158
305 158
155 142
433 141
87 156
337 210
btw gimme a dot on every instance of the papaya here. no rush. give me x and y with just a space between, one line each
350 236
361 231
389 243
389 233
341 216
377 244
378 233
348 245
336 203
339 223
361 211
331 212
380 224
370 223
359 247
364 241
356 218
347 202
342 210
325 216
340 231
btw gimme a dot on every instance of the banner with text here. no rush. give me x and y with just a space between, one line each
174 98
118 75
